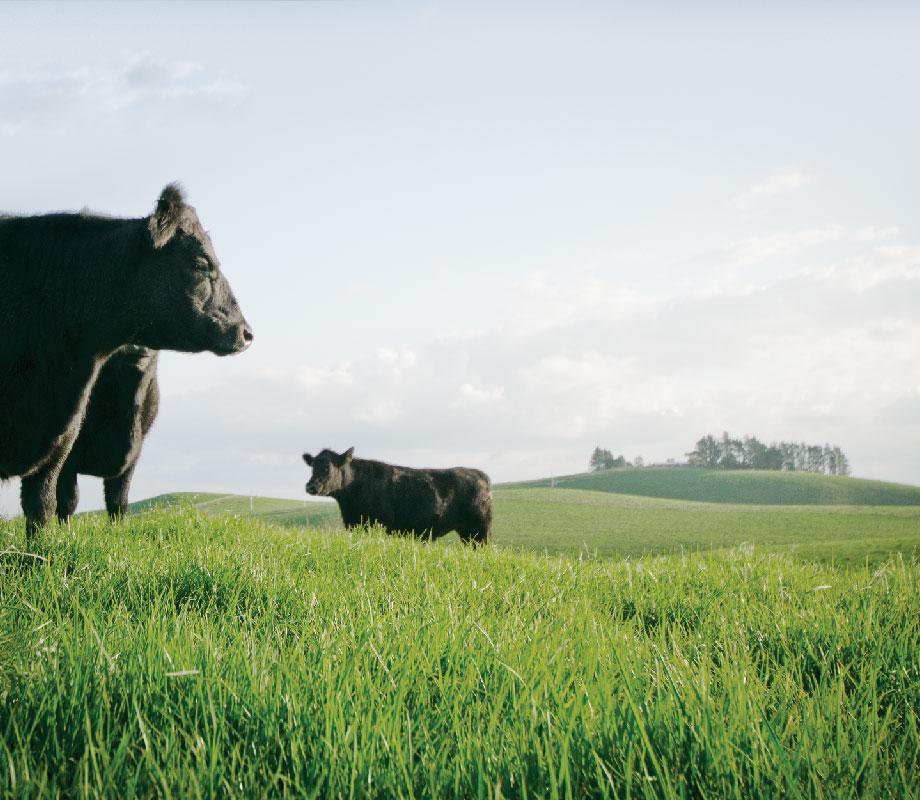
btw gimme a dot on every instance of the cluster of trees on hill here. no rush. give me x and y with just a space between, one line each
604 459
751 453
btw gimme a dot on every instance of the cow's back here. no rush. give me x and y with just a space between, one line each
43 259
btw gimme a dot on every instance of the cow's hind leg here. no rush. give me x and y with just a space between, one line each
477 529
474 538
38 494
116 493
68 491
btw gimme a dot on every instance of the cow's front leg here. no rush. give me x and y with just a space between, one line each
39 497
116 493
68 493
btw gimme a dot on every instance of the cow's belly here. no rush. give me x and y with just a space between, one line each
38 425
108 455
419 524
104 465
29 449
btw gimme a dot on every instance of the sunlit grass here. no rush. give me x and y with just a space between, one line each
184 655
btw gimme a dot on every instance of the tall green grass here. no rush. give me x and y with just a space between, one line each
757 487
182 655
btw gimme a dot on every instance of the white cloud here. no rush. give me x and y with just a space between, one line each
872 233
470 395
57 97
315 379
11 128
757 249
876 267
778 183
382 411
397 361
542 302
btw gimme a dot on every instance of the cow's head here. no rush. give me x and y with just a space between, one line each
332 471
183 301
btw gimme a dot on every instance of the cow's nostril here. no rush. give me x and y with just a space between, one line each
247 335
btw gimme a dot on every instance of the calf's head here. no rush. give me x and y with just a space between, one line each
332 471
182 299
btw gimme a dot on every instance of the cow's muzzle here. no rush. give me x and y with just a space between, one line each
236 340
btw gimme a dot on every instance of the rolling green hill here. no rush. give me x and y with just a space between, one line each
604 524
290 513
612 525
760 487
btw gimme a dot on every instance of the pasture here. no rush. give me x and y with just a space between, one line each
748 487
290 513
607 525
187 655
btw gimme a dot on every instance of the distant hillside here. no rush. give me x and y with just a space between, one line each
290 513
575 521
758 487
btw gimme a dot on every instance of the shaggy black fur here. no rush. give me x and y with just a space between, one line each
120 412
73 289
424 502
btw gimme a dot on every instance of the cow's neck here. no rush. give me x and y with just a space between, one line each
346 492
341 494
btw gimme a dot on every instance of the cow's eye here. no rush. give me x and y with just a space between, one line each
202 264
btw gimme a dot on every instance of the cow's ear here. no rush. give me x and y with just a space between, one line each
164 222
347 455
308 458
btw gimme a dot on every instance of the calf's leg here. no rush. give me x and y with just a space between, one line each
116 493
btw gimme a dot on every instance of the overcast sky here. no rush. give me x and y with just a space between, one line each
499 234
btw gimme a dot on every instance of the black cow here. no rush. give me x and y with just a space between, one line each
74 288
120 412
425 502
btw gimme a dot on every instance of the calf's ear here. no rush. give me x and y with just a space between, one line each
164 222
347 455
308 458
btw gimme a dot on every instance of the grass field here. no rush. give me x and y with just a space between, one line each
604 524
184 655
744 487
296 513
584 523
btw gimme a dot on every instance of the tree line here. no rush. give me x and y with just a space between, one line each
750 453
602 458
727 452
